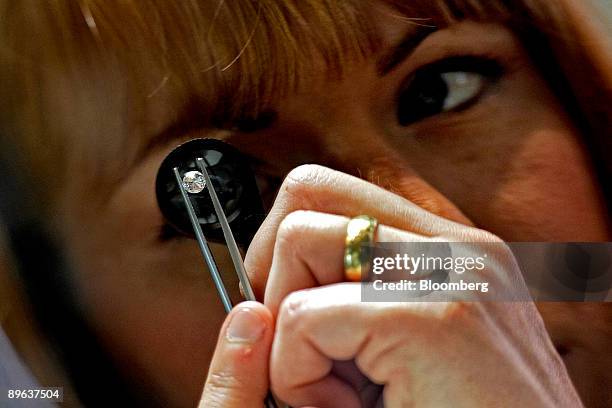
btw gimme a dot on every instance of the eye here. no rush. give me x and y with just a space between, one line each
447 85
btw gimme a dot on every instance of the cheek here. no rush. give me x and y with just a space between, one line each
152 304
550 192
523 184
514 165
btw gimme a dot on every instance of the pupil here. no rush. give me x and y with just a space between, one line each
424 96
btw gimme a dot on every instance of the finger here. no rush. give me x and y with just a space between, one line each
307 378
420 351
238 373
317 326
321 189
309 251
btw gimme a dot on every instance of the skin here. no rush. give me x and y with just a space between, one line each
503 165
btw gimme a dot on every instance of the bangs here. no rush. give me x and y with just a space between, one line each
77 71
230 60
235 58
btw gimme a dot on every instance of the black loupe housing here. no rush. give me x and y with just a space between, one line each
233 181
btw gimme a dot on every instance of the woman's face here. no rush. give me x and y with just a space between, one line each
462 124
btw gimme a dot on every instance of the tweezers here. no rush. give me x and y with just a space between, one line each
230 241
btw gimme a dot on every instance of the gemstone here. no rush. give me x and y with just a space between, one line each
193 182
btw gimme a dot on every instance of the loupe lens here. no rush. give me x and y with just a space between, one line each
232 179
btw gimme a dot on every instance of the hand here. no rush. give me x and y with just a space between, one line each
463 353
238 374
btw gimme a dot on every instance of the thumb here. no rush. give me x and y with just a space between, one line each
238 373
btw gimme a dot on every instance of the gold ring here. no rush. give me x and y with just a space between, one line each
357 250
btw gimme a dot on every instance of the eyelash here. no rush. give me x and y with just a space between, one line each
417 98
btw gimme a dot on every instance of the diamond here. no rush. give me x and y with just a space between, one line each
194 182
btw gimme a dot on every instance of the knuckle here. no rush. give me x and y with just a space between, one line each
460 313
303 182
293 314
221 387
479 235
291 231
306 172
293 225
485 236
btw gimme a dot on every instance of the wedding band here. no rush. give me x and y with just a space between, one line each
357 250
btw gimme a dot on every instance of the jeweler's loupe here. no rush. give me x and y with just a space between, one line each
232 180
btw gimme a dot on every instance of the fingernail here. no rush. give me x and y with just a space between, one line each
245 327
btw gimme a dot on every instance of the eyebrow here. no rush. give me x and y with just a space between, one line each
189 122
172 133
389 61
